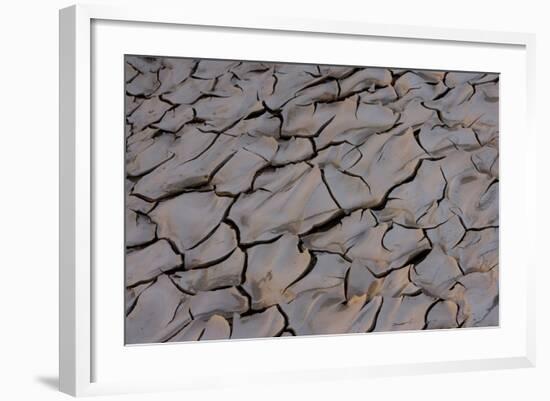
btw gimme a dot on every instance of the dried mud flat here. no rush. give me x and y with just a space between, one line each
267 199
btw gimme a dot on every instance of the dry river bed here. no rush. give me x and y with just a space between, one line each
270 199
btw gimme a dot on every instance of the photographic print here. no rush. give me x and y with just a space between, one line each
268 199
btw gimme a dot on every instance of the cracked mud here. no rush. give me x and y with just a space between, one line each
270 199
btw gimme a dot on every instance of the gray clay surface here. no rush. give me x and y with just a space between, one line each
270 199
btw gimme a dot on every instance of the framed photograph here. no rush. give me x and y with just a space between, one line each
290 200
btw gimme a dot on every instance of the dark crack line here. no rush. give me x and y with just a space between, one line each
441 95
382 204
376 316
245 268
324 179
286 321
358 159
430 307
132 306
342 255
346 284
382 239
245 294
326 225
248 245
416 134
309 268
178 331
346 172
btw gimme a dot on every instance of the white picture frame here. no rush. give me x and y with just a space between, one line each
90 354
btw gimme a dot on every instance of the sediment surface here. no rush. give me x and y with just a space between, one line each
269 199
